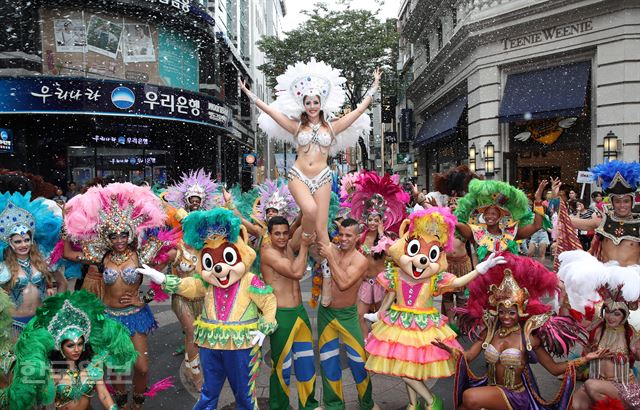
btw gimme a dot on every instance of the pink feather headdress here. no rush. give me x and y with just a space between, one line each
365 199
115 207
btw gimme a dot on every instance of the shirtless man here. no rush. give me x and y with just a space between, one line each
617 241
340 319
292 342
617 231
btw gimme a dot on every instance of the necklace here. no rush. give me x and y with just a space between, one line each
315 128
120 258
25 264
506 332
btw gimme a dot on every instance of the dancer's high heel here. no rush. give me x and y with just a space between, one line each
326 284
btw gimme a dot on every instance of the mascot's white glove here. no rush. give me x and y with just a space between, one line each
154 275
258 337
490 262
371 317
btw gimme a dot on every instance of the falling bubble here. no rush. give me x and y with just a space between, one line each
527 116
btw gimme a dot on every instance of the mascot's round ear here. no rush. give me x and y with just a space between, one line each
244 234
404 227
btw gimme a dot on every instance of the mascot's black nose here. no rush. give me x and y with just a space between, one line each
217 268
423 260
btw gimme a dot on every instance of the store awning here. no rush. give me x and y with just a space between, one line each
549 93
442 123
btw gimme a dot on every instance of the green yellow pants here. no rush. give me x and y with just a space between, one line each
292 344
332 325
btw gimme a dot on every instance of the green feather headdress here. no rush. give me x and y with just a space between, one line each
32 384
200 225
485 193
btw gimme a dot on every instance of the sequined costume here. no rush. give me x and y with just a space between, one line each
66 317
519 284
19 215
135 214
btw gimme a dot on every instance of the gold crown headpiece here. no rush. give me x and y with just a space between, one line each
508 294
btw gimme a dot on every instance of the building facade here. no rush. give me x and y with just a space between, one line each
521 90
135 90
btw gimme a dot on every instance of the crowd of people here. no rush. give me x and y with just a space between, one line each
232 263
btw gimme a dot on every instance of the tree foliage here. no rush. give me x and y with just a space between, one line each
354 41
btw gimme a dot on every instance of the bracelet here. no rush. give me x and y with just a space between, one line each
372 91
578 362
148 298
539 210
252 96
113 407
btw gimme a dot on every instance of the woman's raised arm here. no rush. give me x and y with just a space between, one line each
282 120
345 121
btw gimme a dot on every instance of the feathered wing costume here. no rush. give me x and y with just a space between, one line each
520 282
64 317
311 79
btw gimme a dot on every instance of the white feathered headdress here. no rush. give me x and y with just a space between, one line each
311 79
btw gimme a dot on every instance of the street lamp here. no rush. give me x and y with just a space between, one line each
610 145
489 159
415 168
472 158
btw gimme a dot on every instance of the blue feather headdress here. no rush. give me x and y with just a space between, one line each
199 226
19 215
617 177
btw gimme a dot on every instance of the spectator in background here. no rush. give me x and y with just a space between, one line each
59 199
72 190
596 198
583 212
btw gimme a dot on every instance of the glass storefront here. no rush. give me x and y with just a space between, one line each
122 164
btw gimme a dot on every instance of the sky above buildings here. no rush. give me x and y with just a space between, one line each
294 16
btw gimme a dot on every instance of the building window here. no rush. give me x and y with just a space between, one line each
439 33
427 49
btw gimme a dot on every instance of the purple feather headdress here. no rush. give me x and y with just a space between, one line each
276 196
196 183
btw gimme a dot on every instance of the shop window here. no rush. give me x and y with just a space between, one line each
427 49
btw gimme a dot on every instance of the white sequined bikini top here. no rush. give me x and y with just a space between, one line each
321 140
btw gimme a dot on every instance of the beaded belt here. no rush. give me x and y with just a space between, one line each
127 311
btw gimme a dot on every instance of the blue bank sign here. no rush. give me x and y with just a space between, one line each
47 95
6 140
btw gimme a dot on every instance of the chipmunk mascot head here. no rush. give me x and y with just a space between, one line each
425 237
221 243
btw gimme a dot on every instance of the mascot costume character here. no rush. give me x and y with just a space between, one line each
239 308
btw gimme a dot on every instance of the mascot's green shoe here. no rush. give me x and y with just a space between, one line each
437 403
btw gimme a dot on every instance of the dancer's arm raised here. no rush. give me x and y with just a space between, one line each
285 122
345 121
